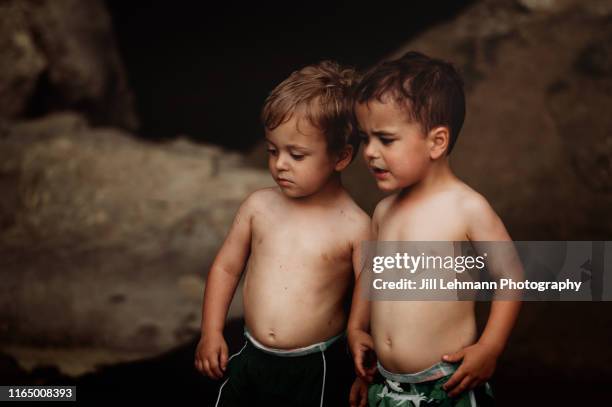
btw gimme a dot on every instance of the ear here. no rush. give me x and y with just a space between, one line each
344 158
438 138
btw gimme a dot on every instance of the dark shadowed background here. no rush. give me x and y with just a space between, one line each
129 135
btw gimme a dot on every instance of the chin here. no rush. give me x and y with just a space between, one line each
291 193
385 187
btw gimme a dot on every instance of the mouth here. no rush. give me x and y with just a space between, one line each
283 182
379 172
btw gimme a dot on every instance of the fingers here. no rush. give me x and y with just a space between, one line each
215 367
210 367
454 357
358 395
466 384
223 357
455 379
368 342
369 376
206 368
365 362
361 372
211 357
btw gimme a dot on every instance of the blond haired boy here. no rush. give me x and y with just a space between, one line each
297 243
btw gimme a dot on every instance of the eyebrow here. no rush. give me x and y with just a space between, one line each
382 133
291 146
296 147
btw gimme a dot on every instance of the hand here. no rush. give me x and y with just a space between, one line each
362 349
359 393
211 355
478 365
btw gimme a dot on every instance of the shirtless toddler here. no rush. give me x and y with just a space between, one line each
297 244
410 112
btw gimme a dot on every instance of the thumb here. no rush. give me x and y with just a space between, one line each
454 357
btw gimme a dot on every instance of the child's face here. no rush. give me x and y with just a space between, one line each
395 149
298 158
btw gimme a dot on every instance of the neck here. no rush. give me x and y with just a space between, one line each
437 177
327 193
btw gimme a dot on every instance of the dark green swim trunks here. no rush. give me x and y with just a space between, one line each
318 375
423 389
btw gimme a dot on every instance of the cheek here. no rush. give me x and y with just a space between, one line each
397 158
364 156
313 172
308 171
408 162
272 159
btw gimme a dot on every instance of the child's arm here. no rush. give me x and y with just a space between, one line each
224 275
360 341
479 360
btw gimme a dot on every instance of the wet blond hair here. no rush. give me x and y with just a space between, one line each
323 93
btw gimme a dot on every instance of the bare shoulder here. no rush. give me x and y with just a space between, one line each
382 208
260 201
482 222
354 216
470 202
262 197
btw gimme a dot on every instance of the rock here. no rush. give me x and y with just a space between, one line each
547 5
21 61
599 7
60 55
106 240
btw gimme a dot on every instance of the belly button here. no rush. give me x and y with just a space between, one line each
388 342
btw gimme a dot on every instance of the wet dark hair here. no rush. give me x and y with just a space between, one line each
324 94
430 90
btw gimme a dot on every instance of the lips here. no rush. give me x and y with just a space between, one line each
283 182
379 172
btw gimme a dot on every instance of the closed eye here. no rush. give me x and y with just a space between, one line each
298 157
386 140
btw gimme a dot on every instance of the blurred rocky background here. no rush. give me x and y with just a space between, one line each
105 236
129 135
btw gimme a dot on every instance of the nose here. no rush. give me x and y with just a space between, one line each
370 151
282 162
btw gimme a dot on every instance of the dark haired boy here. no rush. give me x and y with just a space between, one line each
298 243
410 111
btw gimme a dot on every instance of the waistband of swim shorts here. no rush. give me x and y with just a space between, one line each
307 350
434 372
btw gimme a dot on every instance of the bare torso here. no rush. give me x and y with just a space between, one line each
300 273
410 336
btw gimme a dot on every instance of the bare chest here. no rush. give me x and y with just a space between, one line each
425 222
301 239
